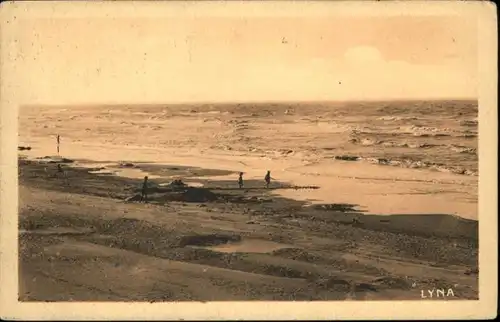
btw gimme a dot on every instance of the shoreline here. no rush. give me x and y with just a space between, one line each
219 180
409 190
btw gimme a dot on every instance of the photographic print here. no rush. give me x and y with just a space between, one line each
219 152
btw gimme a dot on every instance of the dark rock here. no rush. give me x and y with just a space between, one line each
346 158
127 165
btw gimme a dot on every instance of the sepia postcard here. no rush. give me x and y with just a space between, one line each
250 160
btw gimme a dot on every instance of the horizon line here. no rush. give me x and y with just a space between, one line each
253 102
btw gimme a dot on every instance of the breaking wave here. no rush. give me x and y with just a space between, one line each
397 118
389 144
409 163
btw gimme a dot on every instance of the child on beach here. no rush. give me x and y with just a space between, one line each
144 192
240 180
267 178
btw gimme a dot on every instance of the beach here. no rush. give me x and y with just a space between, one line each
369 201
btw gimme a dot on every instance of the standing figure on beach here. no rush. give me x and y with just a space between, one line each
58 142
144 191
267 178
240 180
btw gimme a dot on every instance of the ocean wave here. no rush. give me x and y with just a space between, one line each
473 122
468 135
462 149
411 130
431 134
365 141
392 144
426 131
411 145
397 118
409 163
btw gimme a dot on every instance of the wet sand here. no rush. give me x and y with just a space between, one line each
81 240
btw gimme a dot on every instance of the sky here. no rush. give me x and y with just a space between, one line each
254 58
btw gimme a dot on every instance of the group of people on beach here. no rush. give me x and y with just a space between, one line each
267 179
144 190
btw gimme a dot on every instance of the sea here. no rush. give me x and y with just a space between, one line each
435 135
